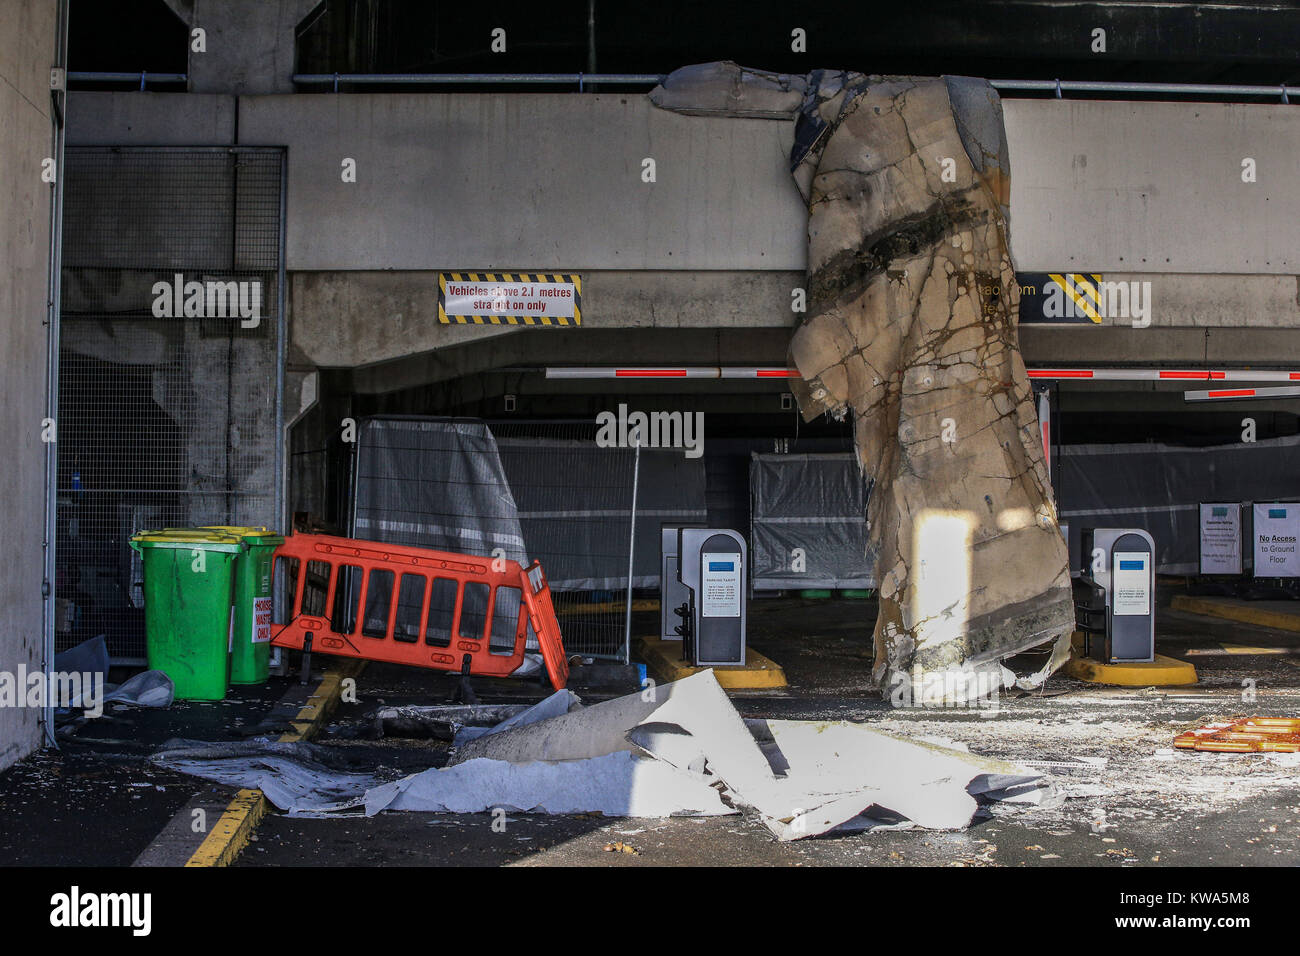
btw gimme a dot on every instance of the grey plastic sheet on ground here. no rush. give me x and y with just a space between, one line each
293 775
146 689
674 749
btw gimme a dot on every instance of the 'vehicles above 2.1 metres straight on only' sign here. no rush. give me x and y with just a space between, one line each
509 298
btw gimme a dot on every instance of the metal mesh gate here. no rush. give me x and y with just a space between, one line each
169 376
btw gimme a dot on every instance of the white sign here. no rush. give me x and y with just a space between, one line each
1276 530
503 299
1131 583
720 584
261 624
1220 538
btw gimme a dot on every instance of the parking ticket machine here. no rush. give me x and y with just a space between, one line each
1117 584
712 569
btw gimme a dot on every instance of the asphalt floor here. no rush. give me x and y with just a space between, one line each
1131 799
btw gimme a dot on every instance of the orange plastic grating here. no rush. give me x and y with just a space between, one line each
1252 735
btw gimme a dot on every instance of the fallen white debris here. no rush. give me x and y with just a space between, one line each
615 785
802 777
675 749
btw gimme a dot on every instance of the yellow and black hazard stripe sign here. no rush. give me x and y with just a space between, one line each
1061 297
510 298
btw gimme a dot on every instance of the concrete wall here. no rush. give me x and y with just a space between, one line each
150 119
1153 187
1146 191
341 317
528 181
27 48
554 180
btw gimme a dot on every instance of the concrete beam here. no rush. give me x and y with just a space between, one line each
516 181
150 119
535 348
351 319
528 182
1116 186
1188 347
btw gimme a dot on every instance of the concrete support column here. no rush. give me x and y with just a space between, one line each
248 44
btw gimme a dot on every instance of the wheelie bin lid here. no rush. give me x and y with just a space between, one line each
207 539
252 532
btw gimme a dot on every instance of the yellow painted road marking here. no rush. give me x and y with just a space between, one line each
757 673
1240 612
1234 649
229 835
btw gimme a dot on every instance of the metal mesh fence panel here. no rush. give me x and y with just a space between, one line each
531 490
575 510
168 375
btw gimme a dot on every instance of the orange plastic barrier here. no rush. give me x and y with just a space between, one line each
1253 735
404 605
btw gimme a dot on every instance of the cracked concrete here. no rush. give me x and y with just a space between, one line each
911 329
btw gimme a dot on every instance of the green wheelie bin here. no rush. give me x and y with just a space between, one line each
189 578
250 618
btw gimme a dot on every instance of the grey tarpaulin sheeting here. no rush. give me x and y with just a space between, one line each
434 484
292 774
454 486
576 522
1158 488
813 503
151 688
440 485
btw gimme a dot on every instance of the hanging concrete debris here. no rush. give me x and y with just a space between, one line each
911 328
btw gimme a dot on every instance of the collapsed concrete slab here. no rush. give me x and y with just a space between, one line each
802 778
678 749
911 329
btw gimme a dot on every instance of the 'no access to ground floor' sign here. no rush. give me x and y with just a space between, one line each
1276 532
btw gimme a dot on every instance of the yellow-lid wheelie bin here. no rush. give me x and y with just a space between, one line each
189 577
250 619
